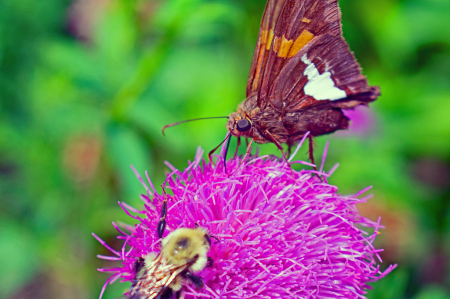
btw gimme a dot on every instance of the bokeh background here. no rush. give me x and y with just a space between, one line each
86 86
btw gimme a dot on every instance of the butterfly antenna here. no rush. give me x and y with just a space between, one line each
212 152
185 121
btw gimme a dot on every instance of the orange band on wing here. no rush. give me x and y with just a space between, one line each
285 47
306 20
269 39
304 38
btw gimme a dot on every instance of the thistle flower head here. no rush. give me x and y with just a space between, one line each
281 233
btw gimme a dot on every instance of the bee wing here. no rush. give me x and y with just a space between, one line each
154 278
287 26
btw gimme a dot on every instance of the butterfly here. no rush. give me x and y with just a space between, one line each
302 76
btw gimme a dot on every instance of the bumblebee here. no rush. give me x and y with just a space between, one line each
183 253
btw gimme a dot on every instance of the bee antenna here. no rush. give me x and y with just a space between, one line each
162 221
214 237
185 121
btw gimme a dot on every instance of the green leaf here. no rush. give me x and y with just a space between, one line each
19 258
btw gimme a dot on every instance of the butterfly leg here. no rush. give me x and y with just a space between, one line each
162 221
237 146
311 151
272 138
289 152
212 152
249 149
226 152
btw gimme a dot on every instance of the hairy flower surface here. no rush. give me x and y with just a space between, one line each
281 233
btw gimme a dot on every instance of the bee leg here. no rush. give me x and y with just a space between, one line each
210 262
167 293
196 280
180 294
208 239
162 221
138 264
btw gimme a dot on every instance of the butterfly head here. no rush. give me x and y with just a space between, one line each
239 125
244 122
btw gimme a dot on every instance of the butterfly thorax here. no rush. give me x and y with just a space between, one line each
271 123
264 122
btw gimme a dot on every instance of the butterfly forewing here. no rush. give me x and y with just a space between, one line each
287 26
270 16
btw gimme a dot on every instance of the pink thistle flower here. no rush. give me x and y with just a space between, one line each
283 233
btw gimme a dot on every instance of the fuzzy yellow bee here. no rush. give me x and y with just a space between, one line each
183 254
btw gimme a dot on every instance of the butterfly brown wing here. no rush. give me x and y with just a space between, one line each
153 278
324 71
270 17
287 26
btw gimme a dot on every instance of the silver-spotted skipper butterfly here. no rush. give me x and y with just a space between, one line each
302 75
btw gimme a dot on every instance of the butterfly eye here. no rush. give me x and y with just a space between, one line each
244 125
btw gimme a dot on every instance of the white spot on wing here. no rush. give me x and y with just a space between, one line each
320 86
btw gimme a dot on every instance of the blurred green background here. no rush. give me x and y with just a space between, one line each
86 86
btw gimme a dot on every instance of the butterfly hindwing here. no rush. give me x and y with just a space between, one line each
325 70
